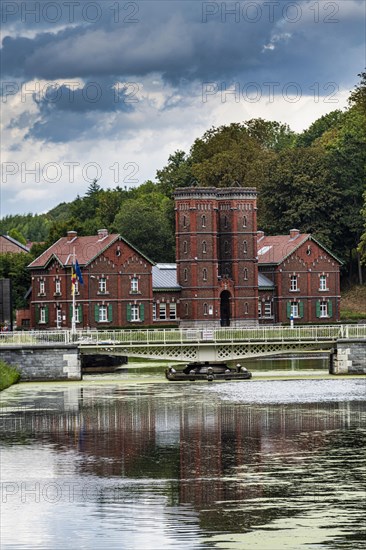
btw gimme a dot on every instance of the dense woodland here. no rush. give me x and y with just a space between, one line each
313 181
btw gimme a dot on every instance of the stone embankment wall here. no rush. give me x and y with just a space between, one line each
350 357
60 362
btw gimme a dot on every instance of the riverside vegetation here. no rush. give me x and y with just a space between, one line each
9 375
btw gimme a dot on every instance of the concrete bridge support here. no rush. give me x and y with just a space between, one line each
350 357
37 362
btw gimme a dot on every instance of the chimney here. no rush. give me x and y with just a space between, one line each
71 235
102 234
294 233
260 235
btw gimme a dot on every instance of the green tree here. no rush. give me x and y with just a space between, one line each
13 266
144 222
15 234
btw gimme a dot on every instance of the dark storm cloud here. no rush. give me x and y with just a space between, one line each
193 41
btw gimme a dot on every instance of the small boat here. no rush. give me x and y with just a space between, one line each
101 363
208 371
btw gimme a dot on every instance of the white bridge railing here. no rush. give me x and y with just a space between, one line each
166 337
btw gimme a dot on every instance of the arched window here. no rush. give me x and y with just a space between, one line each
225 221
245 247
184 221
204 247
226 247
203 221
246 308
245 272
205 309
185 247
244 221
204 274
186 310
185 274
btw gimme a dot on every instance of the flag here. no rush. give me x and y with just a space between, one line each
78 273
73 280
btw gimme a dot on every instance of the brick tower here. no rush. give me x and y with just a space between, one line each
216 243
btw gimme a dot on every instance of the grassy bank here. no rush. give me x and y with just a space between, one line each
353 304
8 375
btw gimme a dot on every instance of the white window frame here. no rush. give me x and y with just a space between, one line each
323 283
58 317
259 310
102 285
42 287
103 314
323 309
76 287
135 313
173 311
77 319
58 286
134 284
162 311
268 311
294 287
154 312
295 310
42 315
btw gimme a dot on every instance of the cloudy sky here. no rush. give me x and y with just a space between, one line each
109 89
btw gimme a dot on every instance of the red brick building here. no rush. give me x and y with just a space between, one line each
216 251
227 273
305 278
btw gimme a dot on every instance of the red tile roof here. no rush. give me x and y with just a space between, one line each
274 249
86 249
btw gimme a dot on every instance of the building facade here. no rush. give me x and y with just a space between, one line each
227 273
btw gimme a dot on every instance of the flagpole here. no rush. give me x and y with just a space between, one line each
73 320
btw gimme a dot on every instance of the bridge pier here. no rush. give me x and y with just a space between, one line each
350 357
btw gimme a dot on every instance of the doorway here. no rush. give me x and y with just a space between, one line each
225 308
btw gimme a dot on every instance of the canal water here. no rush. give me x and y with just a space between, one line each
130 461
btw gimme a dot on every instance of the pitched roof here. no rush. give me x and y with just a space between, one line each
264 282
164 277
8 244
86 250
276 248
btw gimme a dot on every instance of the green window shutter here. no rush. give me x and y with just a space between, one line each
330 308
71 312
318 308
288 307
110 313
37 314
142 312
80 310
46 314
128 312
96 313
301 309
